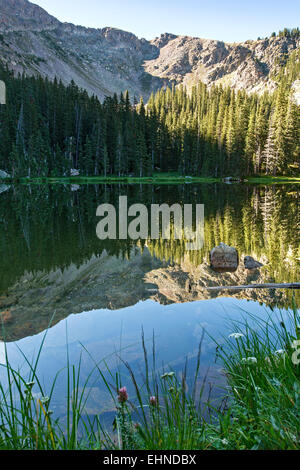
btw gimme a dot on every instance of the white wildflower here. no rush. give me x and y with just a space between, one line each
30 384
167 375
45 400
253 360
249 360
236 335
280 351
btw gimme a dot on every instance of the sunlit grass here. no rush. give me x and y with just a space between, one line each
263 371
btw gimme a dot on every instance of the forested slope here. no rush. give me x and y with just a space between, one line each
47 128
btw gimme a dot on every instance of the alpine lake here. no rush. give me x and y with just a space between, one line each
92 300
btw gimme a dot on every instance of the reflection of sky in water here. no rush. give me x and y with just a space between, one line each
104 333
242 216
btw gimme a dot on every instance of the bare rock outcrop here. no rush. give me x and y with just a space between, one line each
20 15
106 61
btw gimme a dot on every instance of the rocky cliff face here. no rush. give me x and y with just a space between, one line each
108 60
103 61
20 15
249 65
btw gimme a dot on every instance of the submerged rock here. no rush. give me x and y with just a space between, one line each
224 258
251 263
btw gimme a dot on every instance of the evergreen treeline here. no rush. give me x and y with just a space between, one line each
46 129
289 33
293 33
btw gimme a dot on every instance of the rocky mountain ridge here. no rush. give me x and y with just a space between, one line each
108 60
249 65
20 15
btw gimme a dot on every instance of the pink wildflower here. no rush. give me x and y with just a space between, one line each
153 401
122 395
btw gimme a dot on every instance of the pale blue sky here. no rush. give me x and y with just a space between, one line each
231 20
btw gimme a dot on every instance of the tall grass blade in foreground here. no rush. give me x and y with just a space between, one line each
162 410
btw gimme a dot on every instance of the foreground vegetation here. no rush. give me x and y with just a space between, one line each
261 409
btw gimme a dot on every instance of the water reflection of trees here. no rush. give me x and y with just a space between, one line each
46 227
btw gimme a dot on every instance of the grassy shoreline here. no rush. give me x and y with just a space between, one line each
156 179
262 408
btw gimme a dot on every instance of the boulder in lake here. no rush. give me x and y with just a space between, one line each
251 263
224 258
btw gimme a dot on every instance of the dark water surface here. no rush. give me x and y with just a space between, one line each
101 293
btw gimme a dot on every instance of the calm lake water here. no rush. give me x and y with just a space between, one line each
100 294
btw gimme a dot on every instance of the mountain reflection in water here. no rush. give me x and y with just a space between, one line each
53 263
